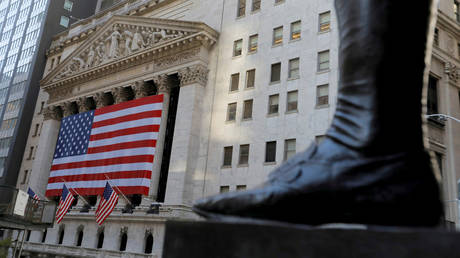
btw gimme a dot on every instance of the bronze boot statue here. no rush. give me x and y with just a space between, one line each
372 168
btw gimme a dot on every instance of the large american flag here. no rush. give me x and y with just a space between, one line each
64 204
115 143
106 204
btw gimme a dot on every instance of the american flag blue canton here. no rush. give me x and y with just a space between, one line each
107 192
74 135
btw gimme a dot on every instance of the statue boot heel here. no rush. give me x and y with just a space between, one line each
372 168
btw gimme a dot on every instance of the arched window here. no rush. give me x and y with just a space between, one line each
100 239
79 236
61 236
123 241
44 235
148 244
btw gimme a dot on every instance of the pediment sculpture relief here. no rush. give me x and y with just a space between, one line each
119 41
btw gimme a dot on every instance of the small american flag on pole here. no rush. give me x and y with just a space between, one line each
116 142
64 204
32 194
108 201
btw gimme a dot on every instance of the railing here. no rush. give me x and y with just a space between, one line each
19 210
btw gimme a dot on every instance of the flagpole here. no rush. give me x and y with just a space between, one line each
122 194
79 195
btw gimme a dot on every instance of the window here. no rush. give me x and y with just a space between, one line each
44 236
24 179
439 159
241 187
458 50
28 235
237 47
68 5
231 112
278 1
324 21
250 78
234 81
228 152
100 239
241 8
255 5
244 154
79 237
456 10
224 189
319 138
31 151
64 21
123 241
322 95
436 37
289 148
42 104
323 61
247 109
432 102
61 236
270 151
292 98
253 41
278 35
148 244
296 28
273 103
275 72
52 64
37 126
294 68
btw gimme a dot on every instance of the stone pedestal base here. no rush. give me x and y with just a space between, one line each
265 240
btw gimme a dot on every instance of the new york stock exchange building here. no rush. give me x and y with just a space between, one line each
238 86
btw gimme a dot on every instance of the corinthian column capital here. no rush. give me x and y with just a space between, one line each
193 74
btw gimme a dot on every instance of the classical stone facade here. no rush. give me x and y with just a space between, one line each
245 87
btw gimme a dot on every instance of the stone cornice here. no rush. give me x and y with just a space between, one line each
191 35
448 24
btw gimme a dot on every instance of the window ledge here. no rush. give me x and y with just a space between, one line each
275 82
236 57
246 119
252 52
293 78
322 106
233 91
249 88
280 2
292 112
240 17
255 11
226 167
272 115
295 40
324 31
243 165
323 71
230 121
277 45
270 163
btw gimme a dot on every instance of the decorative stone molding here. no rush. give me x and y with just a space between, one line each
119 95
148 232
82 104
452 71
125 42
51 113
123 230
100 99
194 74
67 109
140 89
162 83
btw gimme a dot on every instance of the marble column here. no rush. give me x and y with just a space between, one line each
449 174
187 132
46 145
163 84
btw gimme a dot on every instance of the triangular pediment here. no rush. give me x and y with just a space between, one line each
123 37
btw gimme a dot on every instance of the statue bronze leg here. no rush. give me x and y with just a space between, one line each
372 167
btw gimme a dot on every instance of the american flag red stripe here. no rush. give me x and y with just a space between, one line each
108 201
120 140
64 204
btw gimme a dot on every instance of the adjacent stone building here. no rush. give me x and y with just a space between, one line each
247 84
